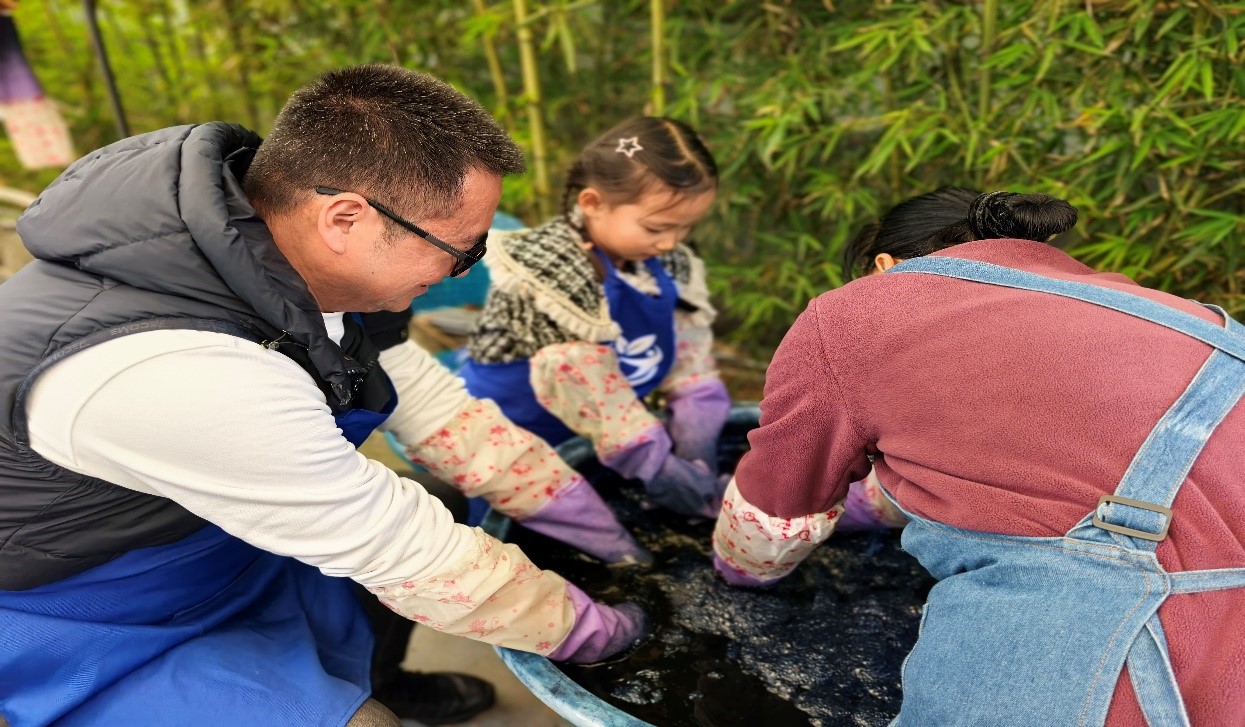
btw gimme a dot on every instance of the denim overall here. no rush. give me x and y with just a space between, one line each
206 631
1036 630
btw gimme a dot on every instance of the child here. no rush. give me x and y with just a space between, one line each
597 308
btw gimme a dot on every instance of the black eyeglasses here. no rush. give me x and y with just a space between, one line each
463 260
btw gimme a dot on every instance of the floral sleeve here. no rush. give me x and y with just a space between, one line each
581 384
764 547
492 594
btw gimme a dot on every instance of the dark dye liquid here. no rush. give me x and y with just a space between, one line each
823 647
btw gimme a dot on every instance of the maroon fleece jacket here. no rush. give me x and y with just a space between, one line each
1010 412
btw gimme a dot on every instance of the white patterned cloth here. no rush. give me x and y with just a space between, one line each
763 546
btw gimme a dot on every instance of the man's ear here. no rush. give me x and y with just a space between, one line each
341 221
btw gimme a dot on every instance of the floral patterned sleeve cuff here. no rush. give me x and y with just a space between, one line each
694 361
581 384
492 594
764 548
483 454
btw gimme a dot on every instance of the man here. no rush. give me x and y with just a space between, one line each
182 508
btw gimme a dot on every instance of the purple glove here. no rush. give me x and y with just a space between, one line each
600 631
688 488
697 414
866 508
579 518
737 577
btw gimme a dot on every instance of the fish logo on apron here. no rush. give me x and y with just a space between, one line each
641 359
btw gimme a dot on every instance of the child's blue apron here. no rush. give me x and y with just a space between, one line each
1036 631
206 631
646 352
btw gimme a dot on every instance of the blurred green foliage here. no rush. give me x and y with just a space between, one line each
821 114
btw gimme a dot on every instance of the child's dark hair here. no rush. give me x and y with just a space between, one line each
950 216
623 162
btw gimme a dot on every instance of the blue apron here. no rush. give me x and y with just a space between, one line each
206 631
646 351
1037 630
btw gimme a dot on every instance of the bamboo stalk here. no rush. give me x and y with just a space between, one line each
242 46
658 27
175 48
531 92
17 197
502 108
989 17
147 20
110 82
86 68
205 66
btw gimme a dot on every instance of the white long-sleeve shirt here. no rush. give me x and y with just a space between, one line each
241 436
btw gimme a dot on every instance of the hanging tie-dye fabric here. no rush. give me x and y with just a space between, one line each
35 127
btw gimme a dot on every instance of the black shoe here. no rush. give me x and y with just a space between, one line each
435 697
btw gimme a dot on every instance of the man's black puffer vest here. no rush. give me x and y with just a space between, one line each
150 232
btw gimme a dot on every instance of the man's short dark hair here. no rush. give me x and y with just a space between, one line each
403 138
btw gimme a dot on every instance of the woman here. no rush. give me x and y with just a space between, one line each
1042 425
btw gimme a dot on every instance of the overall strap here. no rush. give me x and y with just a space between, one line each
1140 507
1231 342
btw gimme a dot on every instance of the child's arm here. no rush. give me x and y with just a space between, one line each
581 384
789 490
470 444
698 401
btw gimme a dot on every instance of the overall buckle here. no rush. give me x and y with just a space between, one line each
1144 535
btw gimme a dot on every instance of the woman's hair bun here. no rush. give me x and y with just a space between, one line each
1037 217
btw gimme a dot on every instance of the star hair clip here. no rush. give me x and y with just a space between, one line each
629 146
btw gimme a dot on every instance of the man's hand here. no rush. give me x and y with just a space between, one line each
600 631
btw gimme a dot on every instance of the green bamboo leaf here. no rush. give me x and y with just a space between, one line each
1177 75
1048 57
1141 153
1092 30
1101 52
1208 79
1141 22
566 40
1175 19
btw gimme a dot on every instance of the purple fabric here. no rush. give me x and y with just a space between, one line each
737 577
17 81
642 458
697 414
580 518
600 631
858 512
688 488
